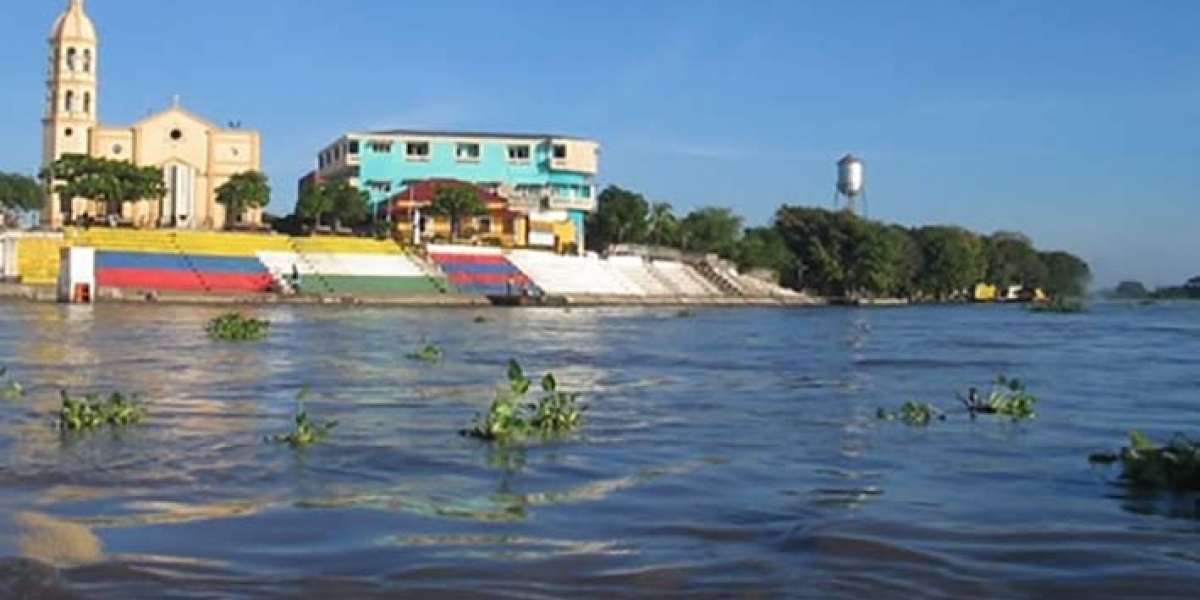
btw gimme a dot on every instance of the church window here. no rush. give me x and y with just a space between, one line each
87 103
71 59
117 149
69 103
176 135
68 132
87 61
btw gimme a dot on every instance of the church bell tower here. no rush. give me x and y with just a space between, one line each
71 95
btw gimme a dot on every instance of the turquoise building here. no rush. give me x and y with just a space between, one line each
548 177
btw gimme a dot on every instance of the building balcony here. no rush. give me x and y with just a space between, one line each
561 202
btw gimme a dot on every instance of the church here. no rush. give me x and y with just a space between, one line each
196 156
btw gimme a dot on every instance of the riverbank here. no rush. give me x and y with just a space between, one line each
28 293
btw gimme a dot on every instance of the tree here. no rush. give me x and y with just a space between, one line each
244 191
951 258
908 261
456 201
620 218
20 192
113 182
1011 260
662 228
764 248
711 230
314 203
1066 274
1134 290
349 205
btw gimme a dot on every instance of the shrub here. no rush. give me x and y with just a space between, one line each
93 411
236 327
1060 305
305 433
511 418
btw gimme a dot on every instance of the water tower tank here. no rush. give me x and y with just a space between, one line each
850 176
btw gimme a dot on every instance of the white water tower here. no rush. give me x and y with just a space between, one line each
851 183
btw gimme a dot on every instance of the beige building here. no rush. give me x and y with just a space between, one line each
195 155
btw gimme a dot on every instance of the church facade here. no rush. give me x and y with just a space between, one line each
196 156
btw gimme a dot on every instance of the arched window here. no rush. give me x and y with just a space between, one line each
69 103
87 60
70 59
87 103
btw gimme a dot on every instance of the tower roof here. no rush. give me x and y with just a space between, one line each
73 24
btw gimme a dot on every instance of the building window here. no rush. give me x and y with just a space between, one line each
380 186
353 147
176 135
467 152
71 59
87 103
87 61
417 150
380 147
518 153
485 225
117 149
560 152
321 160
69 103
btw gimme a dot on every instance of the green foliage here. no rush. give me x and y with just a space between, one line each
711 231
685 313
512 419
662 226
1144 464
764 248
1008 398
113 182
305 433
1060 305
952 260
94 411
1010 259
915 414
236 327
10 388
243 191
621 217
1130 290
314 203
480 319
20 192
1067 274
457 201
430 353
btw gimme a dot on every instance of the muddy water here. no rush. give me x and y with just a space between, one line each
731 455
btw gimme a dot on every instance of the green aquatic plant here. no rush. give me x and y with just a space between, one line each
429 353
1059 305
1008 398
10 388
305 433
236 327
916 414
685 313
1144 464
480 319
512 418
93 411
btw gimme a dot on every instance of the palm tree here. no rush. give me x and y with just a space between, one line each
661 224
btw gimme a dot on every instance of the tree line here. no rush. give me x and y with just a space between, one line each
115 182
838 253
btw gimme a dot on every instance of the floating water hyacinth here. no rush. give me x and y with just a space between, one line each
10 388
236 327
917 414
1008 398
94 411
1175 466
305 433
511 418
429 353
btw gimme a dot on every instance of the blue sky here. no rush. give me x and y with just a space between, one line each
1075 121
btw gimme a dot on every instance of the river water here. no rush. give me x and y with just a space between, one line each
735 454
